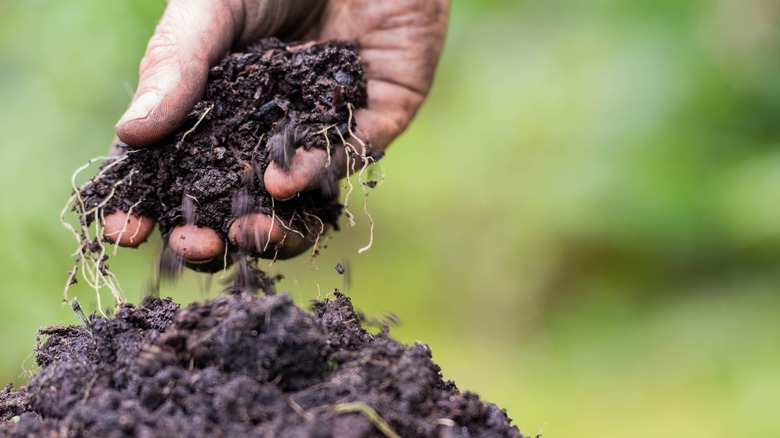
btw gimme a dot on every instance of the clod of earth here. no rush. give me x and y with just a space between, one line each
258 106
239 365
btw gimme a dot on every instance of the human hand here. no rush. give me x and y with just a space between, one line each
399 42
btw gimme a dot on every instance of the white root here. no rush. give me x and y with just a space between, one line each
202 116
319 234
121 232
90 261
352 154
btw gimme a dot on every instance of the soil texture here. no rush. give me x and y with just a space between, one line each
239 365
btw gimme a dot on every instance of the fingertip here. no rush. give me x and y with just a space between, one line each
130 127
153 116
256 232
127 229
268 237
195 244
135 133
281 184
190 37
307 168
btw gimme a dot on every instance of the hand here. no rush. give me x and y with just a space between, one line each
399 42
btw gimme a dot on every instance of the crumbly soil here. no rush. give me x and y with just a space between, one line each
258 106
239 365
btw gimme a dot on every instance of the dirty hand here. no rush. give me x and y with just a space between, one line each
399 43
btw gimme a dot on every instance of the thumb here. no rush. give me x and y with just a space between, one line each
191 36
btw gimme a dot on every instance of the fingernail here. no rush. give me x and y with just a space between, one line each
141 107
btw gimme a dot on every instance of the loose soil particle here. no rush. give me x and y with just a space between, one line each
239 365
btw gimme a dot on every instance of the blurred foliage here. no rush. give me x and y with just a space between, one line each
580 221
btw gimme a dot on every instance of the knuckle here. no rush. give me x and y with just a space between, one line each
161 50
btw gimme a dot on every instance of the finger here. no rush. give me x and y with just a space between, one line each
256 232
191 36
267 237
195 244
308 169
400 44
389 110
127 229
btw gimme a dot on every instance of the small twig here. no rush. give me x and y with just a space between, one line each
76 307
89 388
368 412
321 232
299 410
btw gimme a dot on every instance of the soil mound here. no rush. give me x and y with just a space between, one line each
239 365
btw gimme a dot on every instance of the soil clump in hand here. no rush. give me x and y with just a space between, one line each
239 365
258 106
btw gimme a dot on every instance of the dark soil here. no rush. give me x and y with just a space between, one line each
239 365
258 106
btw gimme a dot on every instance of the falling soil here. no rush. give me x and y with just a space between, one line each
239 365
258 106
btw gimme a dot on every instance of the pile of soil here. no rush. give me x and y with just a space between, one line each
258 106
239 365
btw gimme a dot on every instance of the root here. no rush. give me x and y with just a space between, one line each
315 248
202 116
270 230
288 230
288 226
121 232
224 261
299 410
369 413
366 162
352 155
328 147
90 255
89 389
29 370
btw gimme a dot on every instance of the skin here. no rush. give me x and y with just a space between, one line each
399 41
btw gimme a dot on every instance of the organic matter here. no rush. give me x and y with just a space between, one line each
240 365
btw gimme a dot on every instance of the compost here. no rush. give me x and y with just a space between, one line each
239 365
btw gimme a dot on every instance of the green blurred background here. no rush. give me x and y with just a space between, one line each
581 222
